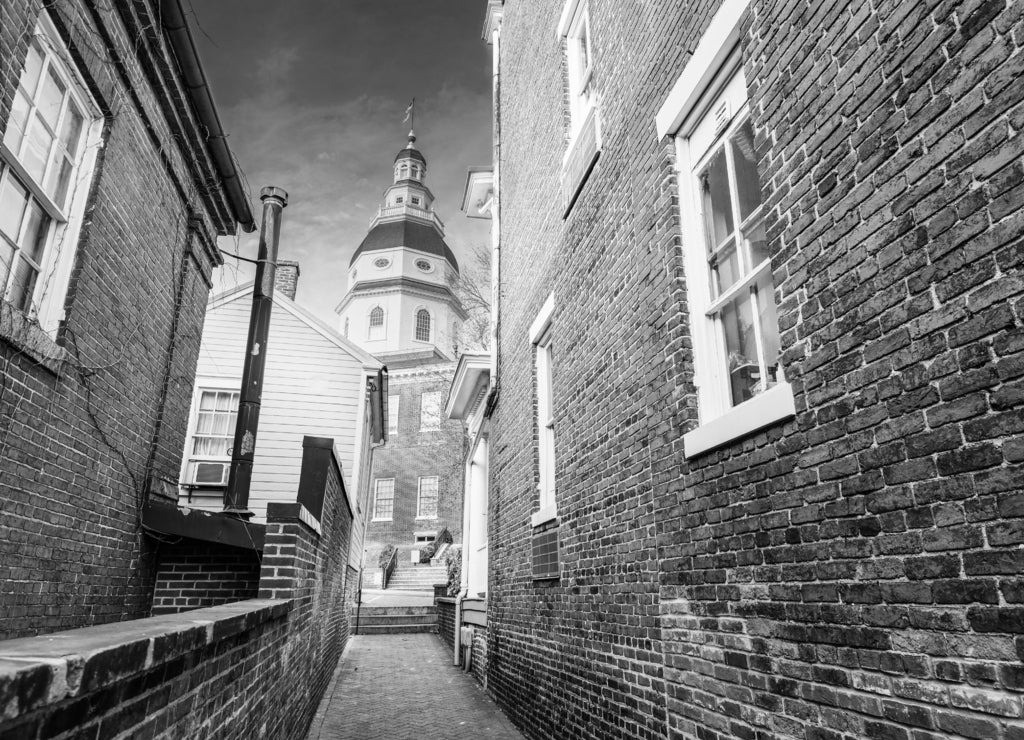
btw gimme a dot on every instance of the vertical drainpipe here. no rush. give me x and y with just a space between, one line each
236 496
495 199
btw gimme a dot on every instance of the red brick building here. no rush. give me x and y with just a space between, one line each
115 180
755 453
402 307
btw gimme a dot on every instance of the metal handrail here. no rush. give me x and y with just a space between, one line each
388 569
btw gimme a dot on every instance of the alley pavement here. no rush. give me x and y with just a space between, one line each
404 687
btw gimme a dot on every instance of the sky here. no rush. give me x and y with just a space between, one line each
312 95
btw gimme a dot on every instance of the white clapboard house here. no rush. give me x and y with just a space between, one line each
315 384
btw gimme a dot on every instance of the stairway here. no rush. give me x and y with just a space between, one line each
409 577
396 620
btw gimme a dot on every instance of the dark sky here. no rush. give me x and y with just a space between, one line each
312 94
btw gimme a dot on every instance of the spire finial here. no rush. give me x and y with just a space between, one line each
412 140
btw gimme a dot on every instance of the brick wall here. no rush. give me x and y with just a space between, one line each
855 571
446 620
413 453
89 423
248 669
191 575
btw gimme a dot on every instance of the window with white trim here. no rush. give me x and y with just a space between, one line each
423 325
393 414
383 499
376 323
208 450
580 64
541 339
741 386
430 411
46 164
426 500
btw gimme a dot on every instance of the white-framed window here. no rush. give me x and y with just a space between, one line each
393 413
430 411
212 433
383 499
541 339
46 164
415 200
580 63
400 199
376 323
426 499
423 325
740 382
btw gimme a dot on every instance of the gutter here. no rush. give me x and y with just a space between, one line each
176 28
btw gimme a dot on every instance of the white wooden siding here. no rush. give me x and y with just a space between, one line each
311 387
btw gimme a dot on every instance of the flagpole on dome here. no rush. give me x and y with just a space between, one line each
410 116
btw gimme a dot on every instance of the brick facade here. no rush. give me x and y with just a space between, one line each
851 572
412 453
92 422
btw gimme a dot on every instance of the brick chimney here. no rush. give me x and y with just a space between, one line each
286 279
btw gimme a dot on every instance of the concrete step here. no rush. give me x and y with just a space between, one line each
406 619
395 629
395 611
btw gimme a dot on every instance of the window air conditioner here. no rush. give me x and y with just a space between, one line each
209 474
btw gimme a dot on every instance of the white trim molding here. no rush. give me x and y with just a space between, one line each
715 45
543 320
761 411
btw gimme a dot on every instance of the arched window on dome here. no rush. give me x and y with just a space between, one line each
423 325
376 323
416 172
403 172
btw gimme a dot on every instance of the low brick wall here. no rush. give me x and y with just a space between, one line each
250 669
145 678
193 575
446 620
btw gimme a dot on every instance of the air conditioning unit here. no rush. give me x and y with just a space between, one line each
202 473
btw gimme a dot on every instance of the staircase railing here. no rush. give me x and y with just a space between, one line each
388 568
443 536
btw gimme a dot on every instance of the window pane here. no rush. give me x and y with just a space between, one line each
18 122
35 232
423 326
714 188
741 349
745 159
769 319
71 129
13 199
757 243
37 150
33 63
50 98
227 401
6 262
725 267
22 285
58 181
206 401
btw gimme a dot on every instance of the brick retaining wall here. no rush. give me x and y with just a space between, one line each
191 575
446 620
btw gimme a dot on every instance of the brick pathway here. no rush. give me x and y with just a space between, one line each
404 687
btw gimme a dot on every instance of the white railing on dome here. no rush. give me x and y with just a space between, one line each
407 210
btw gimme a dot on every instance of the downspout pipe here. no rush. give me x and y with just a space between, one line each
236 495
198 88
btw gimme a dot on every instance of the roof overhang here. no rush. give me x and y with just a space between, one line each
479 195
167 518
472 375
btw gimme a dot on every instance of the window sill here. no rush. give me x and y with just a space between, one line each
27 336
426 519
772 406
545 515
375 519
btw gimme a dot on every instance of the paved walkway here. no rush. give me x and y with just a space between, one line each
404 687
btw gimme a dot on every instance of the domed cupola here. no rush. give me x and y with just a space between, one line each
401 280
